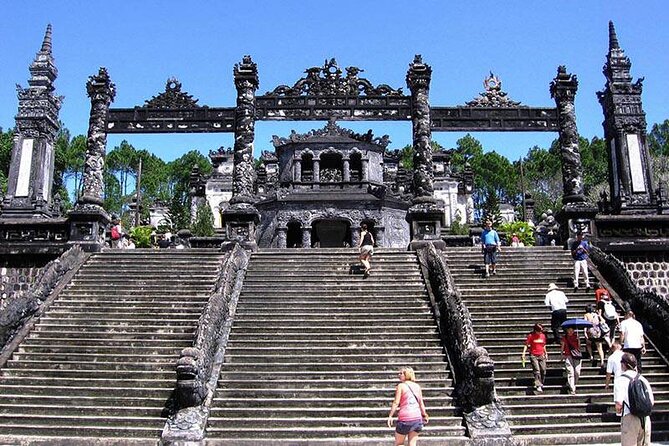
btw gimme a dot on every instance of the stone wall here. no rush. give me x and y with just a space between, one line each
650 271
18 274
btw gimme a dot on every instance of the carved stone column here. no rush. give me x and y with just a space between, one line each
32 159
380 235
563 90
306 237
317 170
297 170
281 237
241 217
576 214
347 170
426 215
89 219
364 175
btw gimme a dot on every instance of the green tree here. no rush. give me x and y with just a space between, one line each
543 177
6 144
658 139
179 186
490 209
204 221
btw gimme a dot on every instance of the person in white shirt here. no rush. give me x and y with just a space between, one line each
557 301
613 368
634 431
632 337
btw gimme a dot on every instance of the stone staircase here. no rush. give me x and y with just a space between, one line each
315 348
100 363
504 308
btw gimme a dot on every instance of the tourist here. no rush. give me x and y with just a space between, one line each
609 314
600 292
490 246
632 338
633 430
366 246
515 241
412 413
571 353
613 369
116 233
579 252
536 343
594 335
557 301
128 243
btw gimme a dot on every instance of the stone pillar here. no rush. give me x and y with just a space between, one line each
426 215
380 235
281 237
33 155
317 170
355 236
306 237
89 219
364 175
241 217
297 170
563 90
101 91
630 175
347 170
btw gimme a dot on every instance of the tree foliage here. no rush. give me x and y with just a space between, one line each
204 221
658 139
6 143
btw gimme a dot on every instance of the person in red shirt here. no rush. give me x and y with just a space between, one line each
599 292
571 352
536 343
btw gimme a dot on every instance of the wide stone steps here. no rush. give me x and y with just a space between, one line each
504 308
99 364
315 347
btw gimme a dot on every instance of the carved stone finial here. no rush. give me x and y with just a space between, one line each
329 80
246 72
613 38
172 97
46 44
100 86
493 96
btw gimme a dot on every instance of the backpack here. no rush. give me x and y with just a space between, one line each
610 312
640 404
595 332
115 234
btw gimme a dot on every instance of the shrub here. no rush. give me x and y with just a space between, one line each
142 236
522 229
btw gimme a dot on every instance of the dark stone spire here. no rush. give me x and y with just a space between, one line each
46 44
613 38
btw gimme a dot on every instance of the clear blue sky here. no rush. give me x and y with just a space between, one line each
142 43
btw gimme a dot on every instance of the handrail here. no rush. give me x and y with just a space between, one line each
199 366
22 314
649 307
474 369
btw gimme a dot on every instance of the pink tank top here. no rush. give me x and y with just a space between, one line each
409 407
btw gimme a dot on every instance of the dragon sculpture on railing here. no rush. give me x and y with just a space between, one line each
473 367
198 366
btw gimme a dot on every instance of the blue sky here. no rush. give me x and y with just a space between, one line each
142 43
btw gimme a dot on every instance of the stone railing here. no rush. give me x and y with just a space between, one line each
18 316
199 366
651 309
473 367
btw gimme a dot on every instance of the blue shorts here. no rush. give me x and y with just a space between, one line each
490 254
404 427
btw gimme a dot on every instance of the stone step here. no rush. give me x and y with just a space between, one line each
387 366
79 410
321 423
328 307
285 281
371 342
54 434
78 391
318 329
166 314
76 381
230 374
331 296
104 350
353 359
54 339
92 365
88 374
107 399
325 412
117 321
300 337
348 351
378 401
289 393
316 384
142 306
216 429
122 295
115 329
102 357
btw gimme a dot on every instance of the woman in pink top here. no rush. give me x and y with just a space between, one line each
409 400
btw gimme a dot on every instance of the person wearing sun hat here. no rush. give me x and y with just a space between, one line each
557 301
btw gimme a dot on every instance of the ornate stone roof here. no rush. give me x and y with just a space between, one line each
330 130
